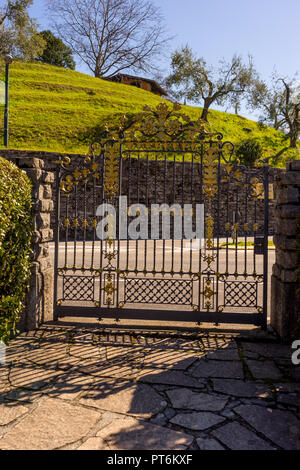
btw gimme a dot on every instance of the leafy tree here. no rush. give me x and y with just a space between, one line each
280 105
56 52
110 36
195 81
18 32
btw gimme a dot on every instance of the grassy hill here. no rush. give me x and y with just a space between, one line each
55 109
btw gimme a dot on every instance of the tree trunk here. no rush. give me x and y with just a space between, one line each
97 71
294 130
206 106
293 138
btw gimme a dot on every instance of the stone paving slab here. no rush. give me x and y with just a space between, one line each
68 362
78 390
11 411
69 386
125 397
237 437
240 388
54 423
31 377
295 373
186 399
292 399
21 395
85 351
209 444
229 353
94 443
131 434
216 342
224 369
46 356
287 387
267 350
4 384
100 369
170 359
264 369
169 377
281 427
197 421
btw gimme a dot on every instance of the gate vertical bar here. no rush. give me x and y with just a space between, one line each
266 234
118 226
56 253
217 235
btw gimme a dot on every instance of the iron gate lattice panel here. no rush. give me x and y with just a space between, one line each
161 158
78 288
159 291
240 293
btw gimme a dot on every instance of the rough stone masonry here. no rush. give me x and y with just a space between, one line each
285 301
39 301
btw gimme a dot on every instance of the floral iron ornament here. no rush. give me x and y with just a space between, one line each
161 128
210 189
156 127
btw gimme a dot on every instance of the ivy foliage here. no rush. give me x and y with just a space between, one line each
15 245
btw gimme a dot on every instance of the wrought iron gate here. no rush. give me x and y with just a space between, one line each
162 158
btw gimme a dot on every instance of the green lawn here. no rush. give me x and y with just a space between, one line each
59 110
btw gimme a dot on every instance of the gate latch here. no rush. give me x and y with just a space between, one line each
259 245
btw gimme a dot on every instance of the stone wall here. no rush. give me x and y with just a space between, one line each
285 301
235 201
39 300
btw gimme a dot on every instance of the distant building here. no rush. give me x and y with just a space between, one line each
139 82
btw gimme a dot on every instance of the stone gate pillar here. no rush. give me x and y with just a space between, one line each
39 300
285 285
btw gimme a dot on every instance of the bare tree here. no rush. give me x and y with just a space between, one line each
195 81
110 36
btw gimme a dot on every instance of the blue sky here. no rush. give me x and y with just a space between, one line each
267 29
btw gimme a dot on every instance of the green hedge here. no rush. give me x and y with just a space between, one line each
15 245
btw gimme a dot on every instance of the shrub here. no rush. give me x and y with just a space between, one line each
249 151
15 245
